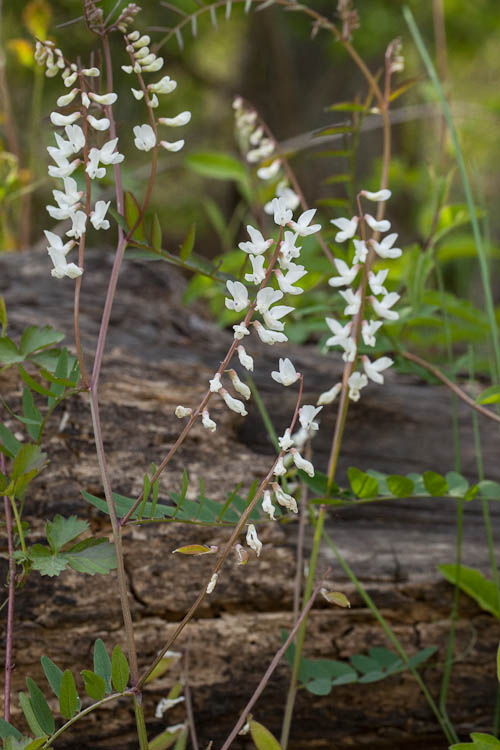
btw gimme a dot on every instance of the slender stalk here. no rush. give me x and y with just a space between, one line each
49 742
117 540
9 633
292 689
269 671
189 703
140 723
448 730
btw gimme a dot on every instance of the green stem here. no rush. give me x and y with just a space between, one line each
48 743
19 526
301 634
140 723
447 728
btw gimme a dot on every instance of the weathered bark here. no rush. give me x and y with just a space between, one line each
161 354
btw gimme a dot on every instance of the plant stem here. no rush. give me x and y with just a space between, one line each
292 689
49 742
189 704
140 723
269 671
9 634
447 729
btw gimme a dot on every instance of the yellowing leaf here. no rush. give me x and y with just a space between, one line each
262 737
336 597
37 16
23 50
195 549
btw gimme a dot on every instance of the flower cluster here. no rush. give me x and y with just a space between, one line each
346 336
259 149
144 61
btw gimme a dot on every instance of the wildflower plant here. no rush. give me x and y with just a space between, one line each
262 300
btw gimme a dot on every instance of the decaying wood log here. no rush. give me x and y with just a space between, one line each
161 354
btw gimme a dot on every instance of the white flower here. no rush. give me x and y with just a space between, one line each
267 505
377 226
368 331
172 145
240 330
138 93
164 86
293 274
353 301
282 214
97 216
302 463
380 195
376 281
328 397
60 120
165 704
259 272
93 169
215 384
79 220
284 499
384 249
341 333
241 554
209 589
66 99
272 317
153 67
67 201
176 122
239 293
285 442
182 411
75 137
233 403
207 423
267 297
374 369
238 385
245 359
302 225
102 124
107 153
306 416
382 307
347 275
106 99
253 540
288 250
356 382
145 138
143 41
269 337
85 100
127 69
349 346
64 169
347 228
91 72
361 251
280 468
292 200
287 374
257 244
58 251
267 173
154 102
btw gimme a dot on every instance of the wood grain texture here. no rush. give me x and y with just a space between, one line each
160 354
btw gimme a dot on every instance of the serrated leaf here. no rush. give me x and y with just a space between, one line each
156 233
95 687
52 673
40 707
102 663
262 737
9 354
132 213
46 562
35 338
29 458
29 715
119 670
7 730
362 484
400 486
188 244
61 530
484 592
435 484
68 697
218 165
92 556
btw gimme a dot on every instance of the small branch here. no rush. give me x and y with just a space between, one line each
189 705
269 671
451 385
